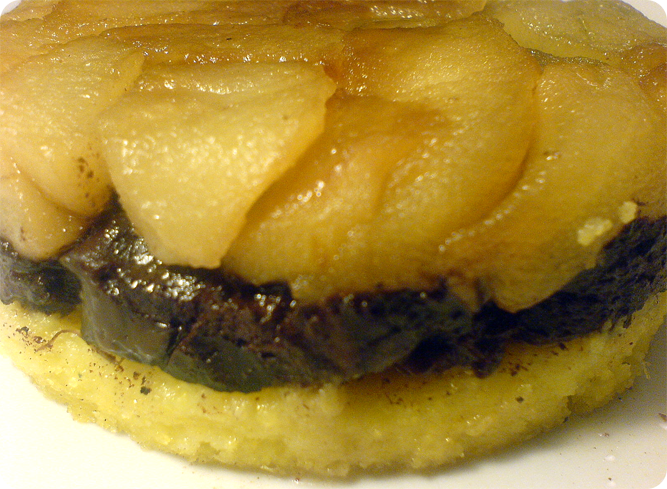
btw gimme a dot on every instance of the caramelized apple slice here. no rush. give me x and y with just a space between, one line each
386 186
192 149
648 64
654 84
48 106
75 17
578 28
215 43
38 26
354 14
597 163
37 228
29 10
19 40
299 225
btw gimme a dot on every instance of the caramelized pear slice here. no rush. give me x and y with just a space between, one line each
193 147
387 184
597 163
49 105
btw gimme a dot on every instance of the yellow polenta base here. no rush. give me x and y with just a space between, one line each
388 420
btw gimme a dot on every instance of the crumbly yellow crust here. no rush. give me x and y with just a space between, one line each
390 420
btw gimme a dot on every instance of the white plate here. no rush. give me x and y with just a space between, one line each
622 446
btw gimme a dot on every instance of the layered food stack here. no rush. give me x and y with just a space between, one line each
331 235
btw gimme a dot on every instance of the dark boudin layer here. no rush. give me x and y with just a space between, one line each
44 286
213 328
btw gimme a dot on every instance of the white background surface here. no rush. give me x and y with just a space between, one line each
7 4
622 446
